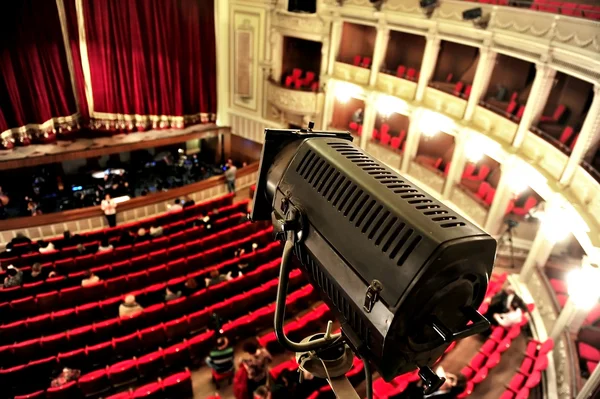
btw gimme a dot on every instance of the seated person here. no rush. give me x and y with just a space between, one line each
46 247
220 359
216 278
176 207
105 246
36 272
506 308
141 235
190 286
90 279
14 277
188 202
170 295
129 307
81 250
452 387
156 231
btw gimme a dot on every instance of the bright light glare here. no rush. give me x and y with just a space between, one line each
583 287
345 91
474 150
517 182
556 224
431 123
387 105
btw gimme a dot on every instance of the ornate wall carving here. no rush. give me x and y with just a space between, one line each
294 101
351 73
525 22
310 23
543 154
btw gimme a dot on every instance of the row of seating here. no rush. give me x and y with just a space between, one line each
385 137
93 236
462 90
360 61
68 297
70 271
407 73
151 337
174 386
94 327
297 81
172 233
529 373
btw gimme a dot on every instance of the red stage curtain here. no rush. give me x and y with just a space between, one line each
34 77
152 57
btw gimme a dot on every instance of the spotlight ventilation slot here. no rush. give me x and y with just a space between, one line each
408 192
337 298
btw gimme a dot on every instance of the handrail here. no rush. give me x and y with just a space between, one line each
560 8
95 211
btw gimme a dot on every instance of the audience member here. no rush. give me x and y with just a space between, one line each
109 207
220 359
81 250
190 286
506 308
36 272
256 364
66 241
170 295
129 307
452 387
176 207
52 274
14 277
230 173
46 247
188 202
67 375
105 245
20 238
156 231
90 279
141 235
215 278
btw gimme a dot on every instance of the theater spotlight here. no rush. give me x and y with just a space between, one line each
428 6
403 273
377 4
476 15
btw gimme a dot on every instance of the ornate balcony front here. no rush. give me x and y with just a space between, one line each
385 154
445 103
395 86
466 201
298 102
351 73
584 190
544 155
492 124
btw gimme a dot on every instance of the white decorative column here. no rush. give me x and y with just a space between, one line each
562 321
457 164
430 56
329 103
381 42
222 36
276 54
324 53
334 44
368 120
538 96
538 254
413 136
481 81
590 386
502 198
588 138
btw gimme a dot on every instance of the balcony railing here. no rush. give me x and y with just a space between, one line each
295 101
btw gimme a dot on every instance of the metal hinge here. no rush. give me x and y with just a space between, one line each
372 295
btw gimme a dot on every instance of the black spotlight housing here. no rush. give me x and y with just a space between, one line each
472 14
427 3
402 272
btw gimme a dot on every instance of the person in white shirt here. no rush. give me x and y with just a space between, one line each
176 206
105 246
46 247
510 318
109 207
90 279
129 307
156 231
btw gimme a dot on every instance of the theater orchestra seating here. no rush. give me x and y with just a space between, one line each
572 9
114 352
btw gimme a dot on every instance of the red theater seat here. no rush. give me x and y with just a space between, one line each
178 385
94 383
400 71
122 372
148 391
176 355
70 390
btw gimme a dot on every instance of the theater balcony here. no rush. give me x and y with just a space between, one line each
354 60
